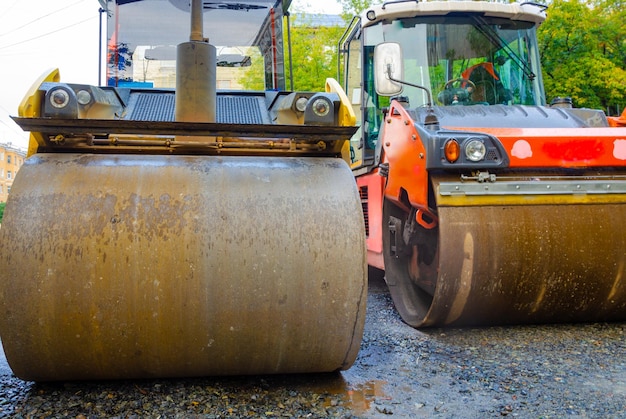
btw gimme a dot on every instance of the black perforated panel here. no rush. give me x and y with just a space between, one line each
238 110
152 107
230 109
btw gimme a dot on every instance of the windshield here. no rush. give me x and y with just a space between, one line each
142 36
465 60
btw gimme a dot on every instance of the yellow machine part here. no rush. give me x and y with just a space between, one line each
515 259
31 105
122 266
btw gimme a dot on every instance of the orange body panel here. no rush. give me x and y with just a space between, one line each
562 147
374 184
406 156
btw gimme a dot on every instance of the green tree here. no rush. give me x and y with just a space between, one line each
253 77
583 53
613 42
2 205
354 7
314 52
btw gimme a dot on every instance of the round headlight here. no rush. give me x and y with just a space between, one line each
475 150
301 104
321 107
83 97
59 98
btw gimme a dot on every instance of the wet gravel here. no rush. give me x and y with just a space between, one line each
551 371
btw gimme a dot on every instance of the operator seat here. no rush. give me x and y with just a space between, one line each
489 87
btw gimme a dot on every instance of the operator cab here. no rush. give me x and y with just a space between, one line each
455 59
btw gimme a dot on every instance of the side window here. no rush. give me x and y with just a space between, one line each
358 58
353 87
372 103
353 76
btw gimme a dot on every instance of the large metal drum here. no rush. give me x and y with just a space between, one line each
509 257
122 266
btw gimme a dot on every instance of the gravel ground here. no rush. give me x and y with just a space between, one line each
527 372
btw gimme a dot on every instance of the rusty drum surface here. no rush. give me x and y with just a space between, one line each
129 266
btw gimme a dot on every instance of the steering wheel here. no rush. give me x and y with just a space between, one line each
456 91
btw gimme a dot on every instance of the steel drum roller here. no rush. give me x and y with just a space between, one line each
531 264
161 266
515 259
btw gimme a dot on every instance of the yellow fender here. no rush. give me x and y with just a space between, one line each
31 104
346 113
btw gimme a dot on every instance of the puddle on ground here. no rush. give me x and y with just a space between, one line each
355 396
358 398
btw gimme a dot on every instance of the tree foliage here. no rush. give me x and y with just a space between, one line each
252 78
2 205
314 53
583 53
354 7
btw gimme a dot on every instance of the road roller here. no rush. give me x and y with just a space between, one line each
483 204
164 227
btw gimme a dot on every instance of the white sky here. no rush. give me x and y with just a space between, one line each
37 35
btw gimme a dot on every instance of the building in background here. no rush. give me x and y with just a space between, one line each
11 159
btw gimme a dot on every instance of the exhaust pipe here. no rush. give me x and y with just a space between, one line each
196 66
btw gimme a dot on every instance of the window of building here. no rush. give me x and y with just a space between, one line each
9 174
9 159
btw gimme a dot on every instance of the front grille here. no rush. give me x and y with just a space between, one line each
152 107
239 110
230 109
492 154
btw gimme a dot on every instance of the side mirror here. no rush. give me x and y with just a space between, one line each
388 66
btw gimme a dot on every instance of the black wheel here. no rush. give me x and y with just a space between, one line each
411 268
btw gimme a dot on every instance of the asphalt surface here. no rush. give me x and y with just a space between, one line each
548 371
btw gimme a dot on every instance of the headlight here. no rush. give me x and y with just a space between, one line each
59 98
83 97
475 150
458 149
60 101
301 103
321 109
